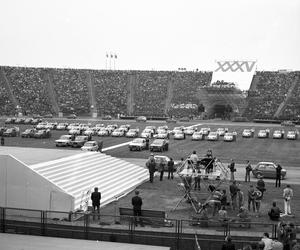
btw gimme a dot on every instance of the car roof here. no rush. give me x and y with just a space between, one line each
266 162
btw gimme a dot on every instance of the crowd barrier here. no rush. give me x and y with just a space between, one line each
177 234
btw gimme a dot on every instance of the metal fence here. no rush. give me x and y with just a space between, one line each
177 234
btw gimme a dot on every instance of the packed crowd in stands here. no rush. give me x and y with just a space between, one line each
6 106
186 86
292 109
150 92
71 90
270 92
111 89
29 89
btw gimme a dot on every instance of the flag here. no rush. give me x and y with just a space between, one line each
106 55
116 56
111 56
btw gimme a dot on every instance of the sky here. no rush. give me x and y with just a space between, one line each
149 35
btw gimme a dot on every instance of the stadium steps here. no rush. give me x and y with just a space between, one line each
8 87
50 89
286 99
91 90
130 97
170 94
77 175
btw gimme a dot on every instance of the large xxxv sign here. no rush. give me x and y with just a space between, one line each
234 66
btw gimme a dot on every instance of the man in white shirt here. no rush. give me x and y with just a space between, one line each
268 242
194 157
287 196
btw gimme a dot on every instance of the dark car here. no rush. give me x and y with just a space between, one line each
72 116
267 170
11 132
159 145
79 141
28 133
42 134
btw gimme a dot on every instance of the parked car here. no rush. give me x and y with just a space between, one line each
119 132
205 131
162 135
104 132
165 159
292 135
79 141
222 131
11 132
198 136
267 170
179 135
138 144
264 133
147 133
2 130
35 121
28 133
90 132
41 134
48 116
213 136
62 126
64 141
19 121
28 121
159 145
248 133
141 119
107 117
90 146
288 124
41 125
278 134
189 130
230 137
132 133
75 131
10 120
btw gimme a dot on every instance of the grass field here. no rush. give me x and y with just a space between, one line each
165 195
283 151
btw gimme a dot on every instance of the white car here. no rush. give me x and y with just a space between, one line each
138 144
104 132
99 126
90 146
147 133
75 131
197 136
70 126
119 132
263 133
221 131
292 135
41 125
205 131
247 133
179 135
64 141
213 136
62 126
111 127
51 125
178 129
162 135
132 133
278 134
229 137
189 131
90 132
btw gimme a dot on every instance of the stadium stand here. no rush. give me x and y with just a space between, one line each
29 89
270 92
6 106
71 90
111 91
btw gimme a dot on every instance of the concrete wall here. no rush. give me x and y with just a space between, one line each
21 187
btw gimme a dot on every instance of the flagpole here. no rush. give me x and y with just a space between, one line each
110 61
115 62
106 61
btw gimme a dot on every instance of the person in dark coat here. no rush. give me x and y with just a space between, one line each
228 245
278 176
170 169
151 165
96 197
137 203
261 186
274 212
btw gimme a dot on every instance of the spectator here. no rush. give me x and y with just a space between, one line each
240 198
194 158
232 169
261 186
228 245
274 212
171 169
278 175
96 197
150 164
233 193
161 169
251 198
137 203
223 216
248 171
287 197
197 178
257 201
267 241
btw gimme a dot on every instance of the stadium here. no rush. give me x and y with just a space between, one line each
67 130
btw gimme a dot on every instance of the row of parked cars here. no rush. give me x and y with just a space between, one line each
79 141
28 133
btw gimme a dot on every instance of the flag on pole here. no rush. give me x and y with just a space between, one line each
106 55
111 55
116 56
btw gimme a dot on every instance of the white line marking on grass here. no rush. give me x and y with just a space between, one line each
115 146
196 125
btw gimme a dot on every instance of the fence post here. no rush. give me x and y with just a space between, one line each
2 217
178 233
86 225
43 221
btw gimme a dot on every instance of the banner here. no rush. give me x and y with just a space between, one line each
239 73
